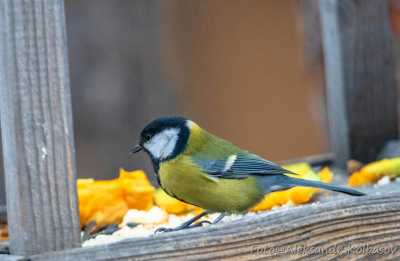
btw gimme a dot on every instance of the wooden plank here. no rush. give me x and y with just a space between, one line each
36 121
361 89
344 224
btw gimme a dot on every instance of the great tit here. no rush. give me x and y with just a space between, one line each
204 170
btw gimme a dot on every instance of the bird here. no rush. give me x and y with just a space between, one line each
199 168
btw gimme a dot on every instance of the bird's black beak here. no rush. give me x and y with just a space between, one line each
135 149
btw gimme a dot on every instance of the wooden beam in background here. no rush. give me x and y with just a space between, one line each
361 89
36 121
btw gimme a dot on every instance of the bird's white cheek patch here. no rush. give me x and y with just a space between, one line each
163 144
155 145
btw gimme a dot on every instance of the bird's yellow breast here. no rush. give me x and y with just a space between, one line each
183 179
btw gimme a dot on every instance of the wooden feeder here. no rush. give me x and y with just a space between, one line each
39 153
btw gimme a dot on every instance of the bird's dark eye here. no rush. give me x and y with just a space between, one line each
147 137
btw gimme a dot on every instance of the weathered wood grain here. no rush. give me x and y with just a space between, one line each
37 134
361 89
342 225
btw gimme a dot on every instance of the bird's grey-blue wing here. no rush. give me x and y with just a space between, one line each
242 165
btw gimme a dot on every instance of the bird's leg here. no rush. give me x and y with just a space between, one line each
186 224
219 218
201 223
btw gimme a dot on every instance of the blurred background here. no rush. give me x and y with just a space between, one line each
247 70
237 68
242 69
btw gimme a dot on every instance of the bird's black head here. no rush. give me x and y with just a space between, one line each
164 138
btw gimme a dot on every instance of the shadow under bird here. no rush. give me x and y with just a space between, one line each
204 170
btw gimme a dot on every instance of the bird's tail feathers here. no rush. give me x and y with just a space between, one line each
317 184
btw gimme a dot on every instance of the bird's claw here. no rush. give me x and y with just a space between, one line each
201 223
163 230
167 229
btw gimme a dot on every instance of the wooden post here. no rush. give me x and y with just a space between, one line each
36 121
361 89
